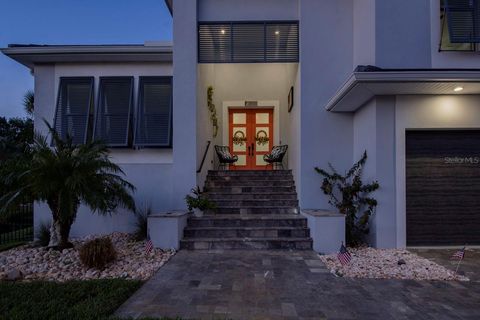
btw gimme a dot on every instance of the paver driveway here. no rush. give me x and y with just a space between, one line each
290 285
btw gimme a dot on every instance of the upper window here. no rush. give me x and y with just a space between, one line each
460 23
74 106
113 117
227 42
154 114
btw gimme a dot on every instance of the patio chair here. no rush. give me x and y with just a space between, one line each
276 156
224 156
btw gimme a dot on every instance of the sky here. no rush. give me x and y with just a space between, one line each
71 22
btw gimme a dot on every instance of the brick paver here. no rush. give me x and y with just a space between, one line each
290 285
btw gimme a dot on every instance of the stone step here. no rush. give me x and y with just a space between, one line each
254 210
247 221
249 183
251 178
218 196
256 203
251 232
248 172
246 243
250 189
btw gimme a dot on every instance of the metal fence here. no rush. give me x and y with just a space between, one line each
16 225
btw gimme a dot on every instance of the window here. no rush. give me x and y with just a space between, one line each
460 25
154 114
74 107
247 42
112 123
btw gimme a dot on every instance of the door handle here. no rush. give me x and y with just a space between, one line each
248 150
253 148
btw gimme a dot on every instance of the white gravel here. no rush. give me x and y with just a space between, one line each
383 264
37 263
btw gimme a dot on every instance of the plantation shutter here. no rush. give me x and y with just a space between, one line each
75 100
214 42
248 42
463 18
154 115
112 122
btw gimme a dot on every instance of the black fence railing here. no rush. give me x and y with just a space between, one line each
16 225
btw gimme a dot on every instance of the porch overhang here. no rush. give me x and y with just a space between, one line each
362 86
29 55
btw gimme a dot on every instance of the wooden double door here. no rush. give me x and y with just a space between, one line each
250 137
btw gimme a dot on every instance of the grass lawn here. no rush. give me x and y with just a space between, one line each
94 299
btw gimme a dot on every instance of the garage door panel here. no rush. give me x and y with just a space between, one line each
443 187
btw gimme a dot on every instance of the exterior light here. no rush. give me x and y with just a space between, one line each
277 33
458 89
222 31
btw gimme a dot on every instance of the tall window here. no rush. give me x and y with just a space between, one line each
74 107
154 114
113 116
460 25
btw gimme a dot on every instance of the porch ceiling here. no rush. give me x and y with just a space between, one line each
363 86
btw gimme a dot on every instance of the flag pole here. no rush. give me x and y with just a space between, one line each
460 260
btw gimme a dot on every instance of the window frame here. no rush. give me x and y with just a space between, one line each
99 108
445 28
91 107
141 81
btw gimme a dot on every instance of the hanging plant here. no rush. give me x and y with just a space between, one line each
213 110
262 138
239 138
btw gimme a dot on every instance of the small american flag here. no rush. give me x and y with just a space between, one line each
458 255
344 256
148 245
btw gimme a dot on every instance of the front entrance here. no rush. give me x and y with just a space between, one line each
250 137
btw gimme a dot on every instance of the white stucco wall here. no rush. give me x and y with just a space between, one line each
427 112
234 10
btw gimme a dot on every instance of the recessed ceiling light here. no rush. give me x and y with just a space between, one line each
458 89
277 33
222 31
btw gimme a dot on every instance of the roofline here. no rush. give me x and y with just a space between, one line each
405 75
29 55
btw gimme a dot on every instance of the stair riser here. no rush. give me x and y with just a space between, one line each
252 189
262 173
255 203
250 178
247 233
251 196
246 245
252 210
249 183
251 223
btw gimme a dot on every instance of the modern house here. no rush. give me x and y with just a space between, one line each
397 78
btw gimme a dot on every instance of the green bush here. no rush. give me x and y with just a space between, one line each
199 200
43 234
141 224
98 253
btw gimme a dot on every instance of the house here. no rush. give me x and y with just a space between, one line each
399 79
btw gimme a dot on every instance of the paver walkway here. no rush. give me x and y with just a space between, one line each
290 285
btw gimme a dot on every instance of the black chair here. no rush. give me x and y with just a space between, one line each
276 156
224 156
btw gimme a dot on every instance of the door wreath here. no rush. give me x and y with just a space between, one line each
262 138
239 138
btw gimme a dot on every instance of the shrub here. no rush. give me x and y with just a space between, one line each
43 234
349 195
141 224
199 200
97 253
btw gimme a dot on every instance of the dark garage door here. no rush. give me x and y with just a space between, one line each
443 187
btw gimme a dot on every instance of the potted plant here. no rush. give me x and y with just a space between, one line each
198 202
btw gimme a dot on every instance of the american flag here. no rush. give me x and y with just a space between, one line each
458 255
344 256
148 245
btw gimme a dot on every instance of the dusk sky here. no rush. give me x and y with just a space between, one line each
71 22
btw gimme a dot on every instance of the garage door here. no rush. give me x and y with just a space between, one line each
443 187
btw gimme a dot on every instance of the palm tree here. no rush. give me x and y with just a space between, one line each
28 102
64 176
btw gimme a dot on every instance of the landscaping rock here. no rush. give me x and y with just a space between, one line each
39 263
388 264
13 275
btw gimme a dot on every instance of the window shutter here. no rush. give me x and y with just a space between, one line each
248 42
282 42
463 18
154 115
112 123
214 42
74 104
